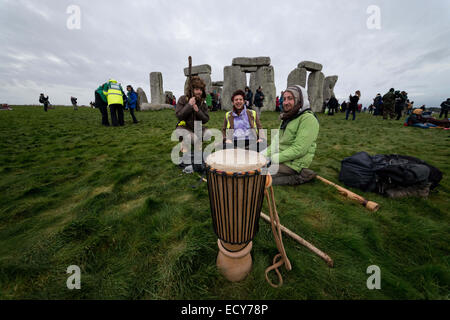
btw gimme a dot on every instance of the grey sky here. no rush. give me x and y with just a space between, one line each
127 40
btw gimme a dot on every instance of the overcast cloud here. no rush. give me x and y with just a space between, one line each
127 40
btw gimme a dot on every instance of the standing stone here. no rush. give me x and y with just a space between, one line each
297 77
328 87
233 79
315 90
310 66
142 98
156 88
264 78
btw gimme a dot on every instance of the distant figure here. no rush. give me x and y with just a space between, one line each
445 106
400 102
353 105
44 100
74 103
248 97
281 102
258 102
333 105
209 101
388 104
344 106
378 104
131 101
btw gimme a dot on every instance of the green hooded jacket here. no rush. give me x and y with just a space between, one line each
297 143
100 89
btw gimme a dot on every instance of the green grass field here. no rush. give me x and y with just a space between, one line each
110 201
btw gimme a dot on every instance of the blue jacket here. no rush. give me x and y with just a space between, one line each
132 99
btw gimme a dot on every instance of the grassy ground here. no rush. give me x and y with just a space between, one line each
110 201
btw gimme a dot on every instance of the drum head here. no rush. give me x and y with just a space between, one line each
236 160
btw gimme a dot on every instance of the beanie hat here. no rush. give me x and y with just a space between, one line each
301 101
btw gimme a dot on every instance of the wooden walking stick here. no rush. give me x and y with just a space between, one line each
372 206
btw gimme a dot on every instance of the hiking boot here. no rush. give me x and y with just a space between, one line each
307 174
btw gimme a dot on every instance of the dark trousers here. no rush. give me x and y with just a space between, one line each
444 112
45 106
353 113
287 176
103 107
116 111
132 115
398 111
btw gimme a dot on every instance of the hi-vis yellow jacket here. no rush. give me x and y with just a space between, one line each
114 93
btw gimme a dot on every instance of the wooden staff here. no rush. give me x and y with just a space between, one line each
302 241
372 206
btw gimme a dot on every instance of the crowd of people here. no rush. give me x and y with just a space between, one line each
392 105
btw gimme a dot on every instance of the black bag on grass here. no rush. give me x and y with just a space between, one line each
358 171
381 173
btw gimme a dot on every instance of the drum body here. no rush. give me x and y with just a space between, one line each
236 193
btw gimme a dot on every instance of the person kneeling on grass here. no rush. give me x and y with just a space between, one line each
296 139
241 127
188 110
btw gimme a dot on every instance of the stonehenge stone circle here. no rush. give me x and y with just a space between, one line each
233 79
328 87
310 66
297 77
156 88
315 90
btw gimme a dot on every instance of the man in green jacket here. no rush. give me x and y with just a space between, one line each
296 140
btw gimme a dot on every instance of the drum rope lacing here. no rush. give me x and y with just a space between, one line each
281 258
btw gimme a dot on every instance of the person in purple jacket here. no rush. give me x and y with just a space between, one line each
242 126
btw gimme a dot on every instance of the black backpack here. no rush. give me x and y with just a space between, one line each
383 172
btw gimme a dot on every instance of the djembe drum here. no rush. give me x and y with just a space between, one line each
236 192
